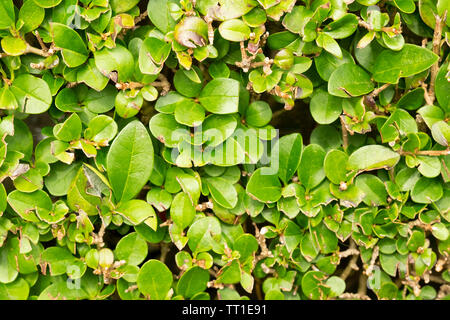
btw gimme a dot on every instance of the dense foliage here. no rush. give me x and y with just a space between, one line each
231 149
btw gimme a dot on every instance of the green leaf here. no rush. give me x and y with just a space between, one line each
326 63
431 115
310 171
160 15
216 129
32 16
410 60
311 284
188 82
17 290
372 157
128 103
132 248
329 44
159 198
60 177
349 80
79 197
61 261
13 46
69 130
117 59
138 211
7 14
22 139
406 6
416 240
191 32
230 274
324 107
191 185
343 27
91 76
441 133
67 100
193 281
166 129
429 167
264 186
222 191
130 161
234 30
293 235
189 113
7 99
220 96
33 94
412 100
335 166
399 123
47 3
168 103
426 190
27 205
375 193
246 244
123 6
258 114
100 102
62 292
442 88
8 266
74 50
3 199
29 181
154 280
204 235
101 129
152 54
427 10
182 211
296 20
262 82
288 152
336 285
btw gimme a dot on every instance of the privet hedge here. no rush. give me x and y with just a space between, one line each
232 149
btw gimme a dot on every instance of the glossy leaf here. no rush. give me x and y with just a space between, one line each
130 161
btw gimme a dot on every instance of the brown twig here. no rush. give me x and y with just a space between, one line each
204 206
377 91
344 134
258 290
140 17
432 153
437 279
352 263
163 84
354 296
364 24
39 39
39 52
440 22
444 290
262 244
375 253
165 248
362 285
349 252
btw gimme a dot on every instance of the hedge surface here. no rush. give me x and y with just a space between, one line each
231 149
